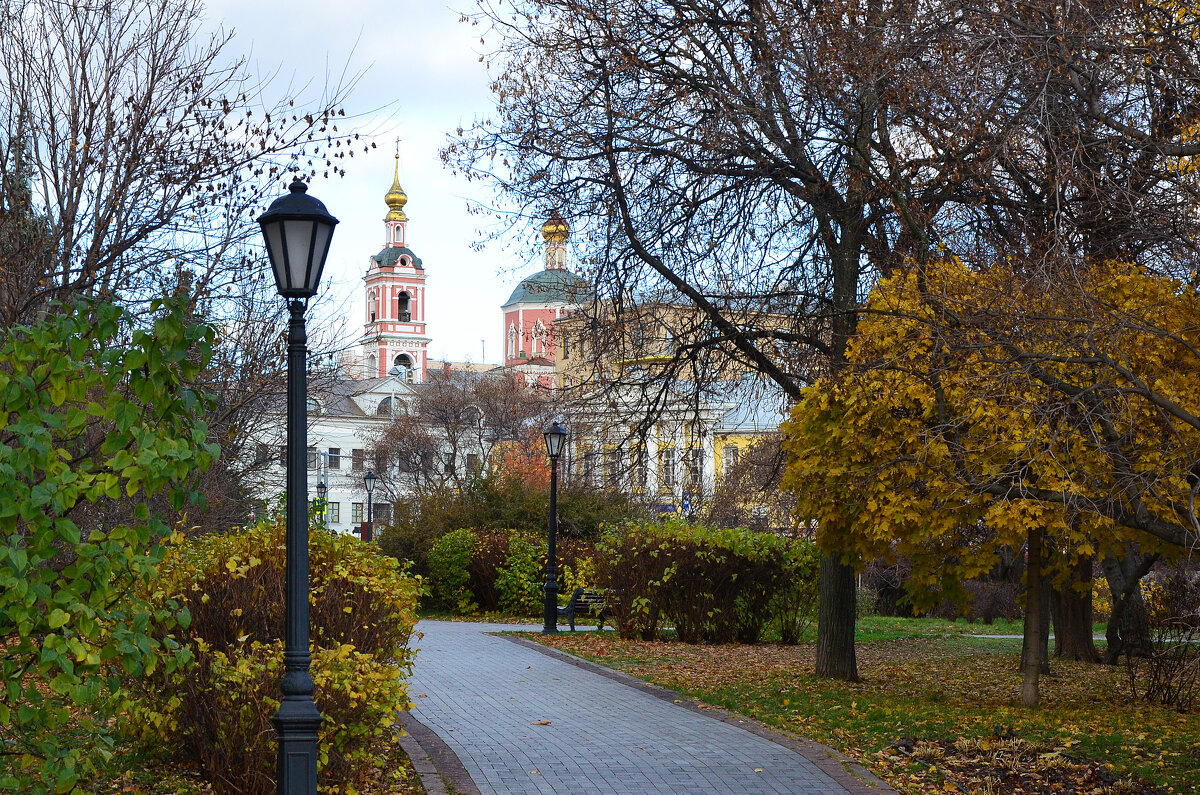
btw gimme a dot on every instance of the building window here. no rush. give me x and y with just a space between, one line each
385 407
402 307
729 459
539 338
312 458
695 466
666 468
405 363
566 348
333 513
472 463
640 468
358 459
381 512
335 458
283 456
371 309
612 468
372 367
262 454
589 467
356 513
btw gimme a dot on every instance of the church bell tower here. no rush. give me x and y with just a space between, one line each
394 340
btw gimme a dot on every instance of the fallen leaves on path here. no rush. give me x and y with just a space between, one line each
945 694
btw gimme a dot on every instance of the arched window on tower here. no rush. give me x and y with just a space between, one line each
404 363
403 302
372 366
371 307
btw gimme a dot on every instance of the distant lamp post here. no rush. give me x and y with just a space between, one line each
297 229
556 438
321 489
369 482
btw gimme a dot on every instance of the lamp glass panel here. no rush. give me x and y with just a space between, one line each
321 248
298 236
274 234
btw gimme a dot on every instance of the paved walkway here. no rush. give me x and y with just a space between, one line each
523 720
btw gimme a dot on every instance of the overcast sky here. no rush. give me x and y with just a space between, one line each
422 79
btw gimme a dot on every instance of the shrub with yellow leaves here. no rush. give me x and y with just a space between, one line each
217 715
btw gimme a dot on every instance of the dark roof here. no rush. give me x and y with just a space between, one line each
391 255
551 286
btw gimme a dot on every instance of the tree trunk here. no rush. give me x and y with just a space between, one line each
1128 631
1031 653
835 621
1071 606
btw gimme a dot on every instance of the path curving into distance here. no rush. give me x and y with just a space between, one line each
523 719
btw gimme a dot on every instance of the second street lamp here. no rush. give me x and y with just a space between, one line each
297 229
369 482
321 489
556 437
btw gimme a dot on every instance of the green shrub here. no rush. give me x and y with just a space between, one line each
713 585
491 551
99 441
449 571
795 603
519 580
632 570
362 612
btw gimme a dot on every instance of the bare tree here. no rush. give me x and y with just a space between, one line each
750 161
143 148
448 433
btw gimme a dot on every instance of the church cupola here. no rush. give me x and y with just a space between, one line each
395 220
555 232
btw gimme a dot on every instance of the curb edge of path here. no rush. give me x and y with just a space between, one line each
433 760
839 767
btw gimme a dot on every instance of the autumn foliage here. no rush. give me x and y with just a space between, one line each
984 402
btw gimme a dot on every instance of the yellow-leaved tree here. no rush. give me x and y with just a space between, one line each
1007 409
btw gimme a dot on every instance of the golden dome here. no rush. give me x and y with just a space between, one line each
555 230
396 198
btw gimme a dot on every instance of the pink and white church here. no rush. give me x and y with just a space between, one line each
394 332
395 342
537 303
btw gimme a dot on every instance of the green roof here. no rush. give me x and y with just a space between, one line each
391 255
550 286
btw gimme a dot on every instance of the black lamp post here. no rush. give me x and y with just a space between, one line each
321 489
297 229
369 482
556 437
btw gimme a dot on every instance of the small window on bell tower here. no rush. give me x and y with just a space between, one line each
403 306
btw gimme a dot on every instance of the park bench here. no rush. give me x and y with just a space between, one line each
585 601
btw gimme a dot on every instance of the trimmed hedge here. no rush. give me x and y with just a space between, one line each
712 585
450 570
217 715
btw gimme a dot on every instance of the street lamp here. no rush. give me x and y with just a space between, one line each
297 229
369 481
321 489
556 437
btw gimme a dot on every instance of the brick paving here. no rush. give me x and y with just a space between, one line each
522 720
